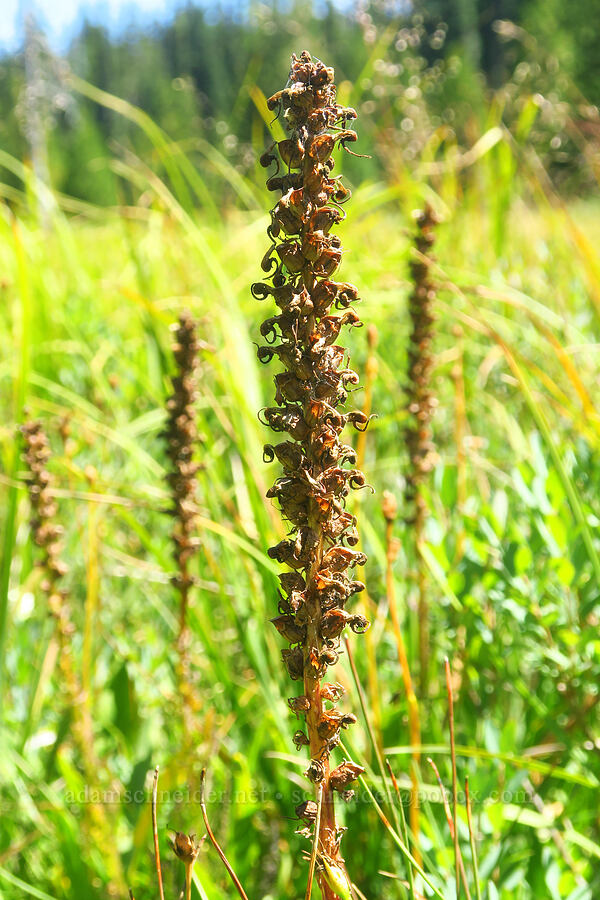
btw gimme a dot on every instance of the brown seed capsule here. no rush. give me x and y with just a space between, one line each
291 153
288 629
334 622
307 811
186 847
345 774
294 662
315 771
300 740
299 704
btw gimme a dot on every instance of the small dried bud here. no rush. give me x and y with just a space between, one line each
186 847
389 506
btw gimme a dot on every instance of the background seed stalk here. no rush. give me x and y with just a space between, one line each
421 404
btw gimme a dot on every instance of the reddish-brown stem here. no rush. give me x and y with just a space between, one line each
450 822
214 842
326 831
155 835
315 848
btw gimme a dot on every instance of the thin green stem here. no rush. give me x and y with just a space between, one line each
474 862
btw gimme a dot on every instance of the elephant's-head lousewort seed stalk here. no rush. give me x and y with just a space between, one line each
318 471
421 404
182 442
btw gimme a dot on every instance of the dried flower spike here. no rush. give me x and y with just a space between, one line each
310 391
182 439
47 534
421 404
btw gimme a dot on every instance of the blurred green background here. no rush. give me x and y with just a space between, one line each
130 190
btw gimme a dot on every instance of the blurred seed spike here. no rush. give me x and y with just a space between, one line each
182 439
420 404
300 263
47 535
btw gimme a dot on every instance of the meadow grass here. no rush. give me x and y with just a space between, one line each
511 545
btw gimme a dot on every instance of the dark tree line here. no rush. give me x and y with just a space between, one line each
193 75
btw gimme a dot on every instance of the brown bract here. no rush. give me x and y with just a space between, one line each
310 394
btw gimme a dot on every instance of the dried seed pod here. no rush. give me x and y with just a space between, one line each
334 622
186 847
294 662
299 704
315 771
331 722
307 811
420 404
300 740
288 629
345 774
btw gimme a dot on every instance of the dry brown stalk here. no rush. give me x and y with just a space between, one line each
161 892
457 854
215 843
312 492
182 439
421 405
47 535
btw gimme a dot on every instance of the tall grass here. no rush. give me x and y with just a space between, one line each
513 565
